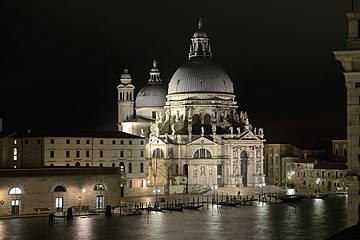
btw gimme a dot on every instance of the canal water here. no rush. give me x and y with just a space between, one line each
305 219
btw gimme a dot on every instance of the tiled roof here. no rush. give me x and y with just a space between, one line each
330 165
58 171
73 133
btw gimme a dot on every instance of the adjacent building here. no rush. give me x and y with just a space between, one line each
278 163
80 149
54 190
320 176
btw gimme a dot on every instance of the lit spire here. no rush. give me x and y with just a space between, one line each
155 74
200 24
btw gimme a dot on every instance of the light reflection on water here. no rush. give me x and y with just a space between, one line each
305 219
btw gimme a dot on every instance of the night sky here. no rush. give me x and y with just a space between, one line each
61 60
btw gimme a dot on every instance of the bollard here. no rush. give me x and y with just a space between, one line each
69 214
51 218
108 211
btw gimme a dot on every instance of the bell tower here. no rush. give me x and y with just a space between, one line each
125 99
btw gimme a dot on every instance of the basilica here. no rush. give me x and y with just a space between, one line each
197 139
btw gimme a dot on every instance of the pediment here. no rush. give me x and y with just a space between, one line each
248 136
202 141
157 141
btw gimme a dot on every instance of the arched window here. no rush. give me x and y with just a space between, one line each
59 189
207 124
113 164
185 169
141 167
101 165
77 164
87 165
158 153
68 165
99 187
196 124
202 153
15 190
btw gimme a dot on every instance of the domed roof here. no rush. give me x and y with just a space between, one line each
125 78
151 95
154 93
200 75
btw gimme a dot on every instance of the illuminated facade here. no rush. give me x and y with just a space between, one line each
350 60
80 149
278 163
196 137
328 177
41 191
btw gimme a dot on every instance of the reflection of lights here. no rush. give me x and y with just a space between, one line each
83 190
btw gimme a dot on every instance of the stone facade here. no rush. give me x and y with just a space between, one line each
80 149
34 191
322 176
197 138
350 60
278 163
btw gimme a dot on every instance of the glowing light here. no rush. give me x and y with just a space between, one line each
83 190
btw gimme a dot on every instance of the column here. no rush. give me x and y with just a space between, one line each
254 161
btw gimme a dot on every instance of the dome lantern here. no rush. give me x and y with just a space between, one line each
200 46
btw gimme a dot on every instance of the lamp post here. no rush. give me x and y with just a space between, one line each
317 183
214 187
156 191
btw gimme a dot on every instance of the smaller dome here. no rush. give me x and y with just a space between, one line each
125 78
151 95
200 34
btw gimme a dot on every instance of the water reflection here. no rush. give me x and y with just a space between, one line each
305 219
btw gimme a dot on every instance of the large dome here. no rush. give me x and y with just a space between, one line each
200 75
151 95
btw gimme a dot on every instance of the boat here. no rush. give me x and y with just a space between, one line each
320 196
173 208
155 209
291 198
127 211
192 207
228 204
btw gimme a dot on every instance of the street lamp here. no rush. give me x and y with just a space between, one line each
317 182
156 191
214 187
